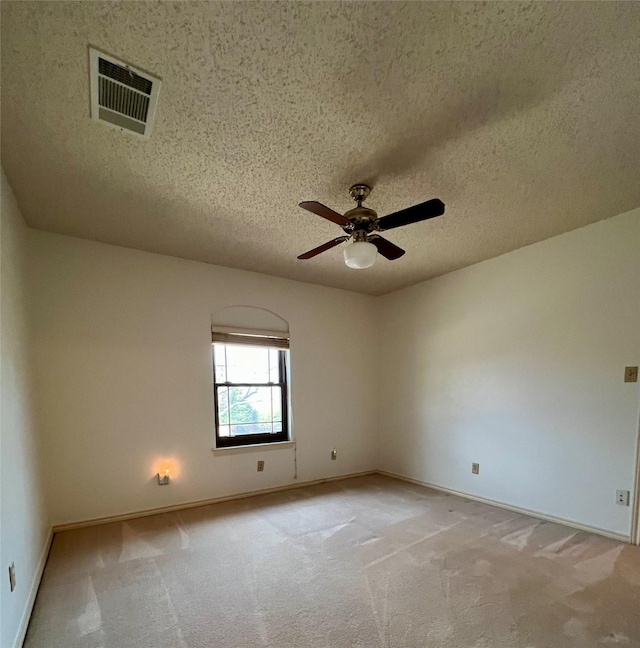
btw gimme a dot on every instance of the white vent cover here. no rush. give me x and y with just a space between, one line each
121 95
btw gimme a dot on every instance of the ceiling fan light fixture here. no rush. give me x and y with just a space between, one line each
360 255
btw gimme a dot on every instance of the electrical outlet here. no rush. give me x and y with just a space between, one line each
622 497
475 468
631 374
334 454
260 466
12 576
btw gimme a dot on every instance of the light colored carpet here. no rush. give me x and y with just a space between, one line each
369 562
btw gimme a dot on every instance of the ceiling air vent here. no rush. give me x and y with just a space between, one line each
121 95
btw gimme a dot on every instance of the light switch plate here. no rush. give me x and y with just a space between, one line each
475 468
631 374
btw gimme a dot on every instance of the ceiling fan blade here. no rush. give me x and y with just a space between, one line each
324 211
415 214
388 249
323 248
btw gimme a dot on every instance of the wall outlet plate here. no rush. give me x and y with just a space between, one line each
260 466
475 468
12 576
622 497
631 374
163 480
334 454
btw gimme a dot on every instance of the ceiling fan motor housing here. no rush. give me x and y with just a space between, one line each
362 218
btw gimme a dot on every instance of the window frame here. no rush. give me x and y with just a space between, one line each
254 439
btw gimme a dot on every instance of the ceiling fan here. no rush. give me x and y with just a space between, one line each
361 224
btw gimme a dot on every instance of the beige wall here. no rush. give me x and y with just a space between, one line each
25 524
517 363
123 347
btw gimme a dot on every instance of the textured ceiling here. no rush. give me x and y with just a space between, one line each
522 117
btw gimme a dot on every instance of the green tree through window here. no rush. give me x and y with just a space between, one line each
237 408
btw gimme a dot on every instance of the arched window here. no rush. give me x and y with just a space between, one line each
250 368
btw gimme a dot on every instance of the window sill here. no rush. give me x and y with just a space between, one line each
256 447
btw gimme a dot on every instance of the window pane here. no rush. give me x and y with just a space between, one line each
247 364
276 403
250 404
219 362
241 405
223 405
249 410
274 365
251 428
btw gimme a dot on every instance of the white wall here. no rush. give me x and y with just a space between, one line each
25 526
123 348
518 363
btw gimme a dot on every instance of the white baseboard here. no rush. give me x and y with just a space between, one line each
516 509
214 500
33 592
226 498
